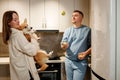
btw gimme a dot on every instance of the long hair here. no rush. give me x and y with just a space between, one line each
6 31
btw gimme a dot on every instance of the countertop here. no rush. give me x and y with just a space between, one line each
5 60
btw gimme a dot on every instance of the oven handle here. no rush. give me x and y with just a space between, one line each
54 71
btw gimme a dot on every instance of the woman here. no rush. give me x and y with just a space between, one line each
21 51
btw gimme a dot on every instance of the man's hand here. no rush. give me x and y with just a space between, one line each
64 45
81 55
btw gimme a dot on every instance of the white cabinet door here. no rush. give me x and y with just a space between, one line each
21 6
52 14
44 14
36 13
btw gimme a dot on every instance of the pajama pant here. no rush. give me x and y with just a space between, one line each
75 70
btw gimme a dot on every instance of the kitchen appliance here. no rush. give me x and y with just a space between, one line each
53 72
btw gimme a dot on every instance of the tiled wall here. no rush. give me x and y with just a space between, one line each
50 41
4 72
3 48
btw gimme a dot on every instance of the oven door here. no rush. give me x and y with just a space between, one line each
53 72
48 75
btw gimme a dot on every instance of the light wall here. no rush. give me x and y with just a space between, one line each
105 39
118 41
100 38
21 6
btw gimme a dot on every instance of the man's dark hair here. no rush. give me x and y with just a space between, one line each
80 12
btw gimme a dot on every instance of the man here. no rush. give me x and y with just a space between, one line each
77 43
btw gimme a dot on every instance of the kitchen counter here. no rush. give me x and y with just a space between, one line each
5 60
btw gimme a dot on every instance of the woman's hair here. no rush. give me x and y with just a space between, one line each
6 31
80 12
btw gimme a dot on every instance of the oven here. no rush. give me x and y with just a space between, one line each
53 72
48 75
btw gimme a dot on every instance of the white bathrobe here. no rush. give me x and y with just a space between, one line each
21 54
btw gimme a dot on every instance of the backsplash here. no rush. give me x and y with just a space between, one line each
50 41
3 48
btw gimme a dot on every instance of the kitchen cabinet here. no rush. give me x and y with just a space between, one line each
44 14
47 14
55 71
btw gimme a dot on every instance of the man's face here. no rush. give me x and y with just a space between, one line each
76 18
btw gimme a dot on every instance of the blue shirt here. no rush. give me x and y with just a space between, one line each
79 40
